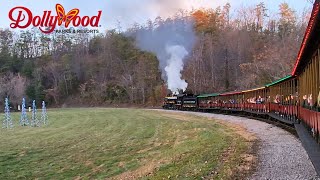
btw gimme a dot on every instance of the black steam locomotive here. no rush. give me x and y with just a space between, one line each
184 102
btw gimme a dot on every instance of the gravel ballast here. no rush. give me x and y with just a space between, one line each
280 154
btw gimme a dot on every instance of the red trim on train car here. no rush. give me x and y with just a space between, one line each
209 106
256 107
306 38
310 118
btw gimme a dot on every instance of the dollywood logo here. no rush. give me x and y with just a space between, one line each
23 17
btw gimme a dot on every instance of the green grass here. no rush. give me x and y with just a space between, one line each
104 143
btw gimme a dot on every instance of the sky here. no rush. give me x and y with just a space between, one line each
124 13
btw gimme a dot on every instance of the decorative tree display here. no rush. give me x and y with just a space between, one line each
7 122
34 120
24 118
44 115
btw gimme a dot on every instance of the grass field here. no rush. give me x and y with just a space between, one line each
119 144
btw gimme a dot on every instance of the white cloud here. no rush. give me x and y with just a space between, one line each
128 12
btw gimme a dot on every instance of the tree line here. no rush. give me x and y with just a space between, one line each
232 52
248 50
77 69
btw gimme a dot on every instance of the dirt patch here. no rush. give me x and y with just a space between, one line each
248 161
143 171
173 115
121 164
97 168
180 139
152 146
145 150
88 163
240 130
23 153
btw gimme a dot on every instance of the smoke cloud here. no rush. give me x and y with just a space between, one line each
174 67
171 40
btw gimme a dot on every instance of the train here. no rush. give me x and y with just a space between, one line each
293 100
272 101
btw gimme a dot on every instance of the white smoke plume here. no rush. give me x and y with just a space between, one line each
174 68
171 41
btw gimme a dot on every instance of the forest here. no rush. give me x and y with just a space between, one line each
233 50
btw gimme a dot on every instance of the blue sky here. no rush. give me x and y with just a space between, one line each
126 12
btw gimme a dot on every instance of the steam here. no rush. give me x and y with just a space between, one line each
171 41
174 68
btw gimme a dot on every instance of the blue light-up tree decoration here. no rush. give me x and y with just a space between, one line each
44 115
7 122
24 118
34 119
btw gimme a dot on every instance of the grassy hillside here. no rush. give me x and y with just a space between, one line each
120 143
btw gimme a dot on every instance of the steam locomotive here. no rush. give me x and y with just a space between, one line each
184 102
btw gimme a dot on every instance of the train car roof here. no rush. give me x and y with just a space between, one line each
310 41
256 89
208 95
231 93
279 81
